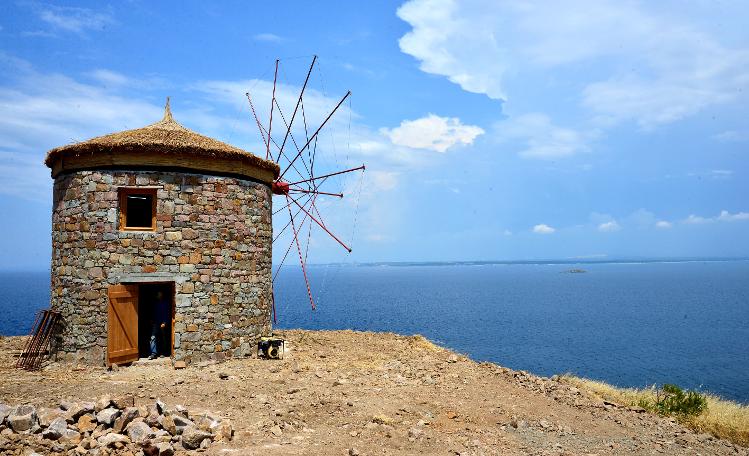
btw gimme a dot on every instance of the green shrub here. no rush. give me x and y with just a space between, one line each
672 400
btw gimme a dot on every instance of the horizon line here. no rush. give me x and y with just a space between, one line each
542 261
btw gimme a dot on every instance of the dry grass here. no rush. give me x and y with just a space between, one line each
724 419
420 342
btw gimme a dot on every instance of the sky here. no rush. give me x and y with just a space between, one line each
491 130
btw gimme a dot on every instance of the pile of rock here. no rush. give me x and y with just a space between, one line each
108 426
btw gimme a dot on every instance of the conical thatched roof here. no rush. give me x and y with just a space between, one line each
178 147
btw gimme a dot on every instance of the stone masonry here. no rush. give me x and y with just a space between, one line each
213 240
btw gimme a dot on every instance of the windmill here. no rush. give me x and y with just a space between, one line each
299 183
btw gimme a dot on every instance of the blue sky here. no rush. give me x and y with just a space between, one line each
490 130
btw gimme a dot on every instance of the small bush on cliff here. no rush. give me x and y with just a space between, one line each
722 418
672 400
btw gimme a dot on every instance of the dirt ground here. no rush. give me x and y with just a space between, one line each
347 393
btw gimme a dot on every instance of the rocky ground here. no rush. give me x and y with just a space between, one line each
347 393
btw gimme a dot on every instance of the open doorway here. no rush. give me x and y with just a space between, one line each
156 319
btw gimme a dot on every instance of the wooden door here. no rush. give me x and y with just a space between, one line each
122 338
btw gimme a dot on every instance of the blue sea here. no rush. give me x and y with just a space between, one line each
627 323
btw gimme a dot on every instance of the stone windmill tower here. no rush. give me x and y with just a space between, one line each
152 214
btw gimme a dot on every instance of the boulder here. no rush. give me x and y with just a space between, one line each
128 415
206 423
86 423
160 407
70 437
192 437
161 436
77 409
112 439
66 405
154 420
223 431
23 418
180 423
56 429
107 416
103 403
125 400
148 450
168 425
4 412
139 432
182 411
46 416
165 449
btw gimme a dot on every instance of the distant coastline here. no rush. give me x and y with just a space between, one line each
543 262
540 262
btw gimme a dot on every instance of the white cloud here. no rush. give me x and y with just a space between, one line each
608 227
39 111
267 37
641 218
507 233
109 77
433 133
652 67
663 225
448 42
377 237
732 136
383 180
543 228
540 138
45 111
726 216
72 19
344 133
721 173
696 220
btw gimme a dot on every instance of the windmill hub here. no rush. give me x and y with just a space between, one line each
280 187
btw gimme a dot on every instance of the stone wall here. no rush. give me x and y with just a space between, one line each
213 240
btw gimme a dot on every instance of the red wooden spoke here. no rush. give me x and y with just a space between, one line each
304 219
303 193
289 222
329 175
301 260
322 225
284 207
273 304
312 151
257 121
292 140
299 100
314 135
317 211
301 190
262 129
270 123
283 260
306 247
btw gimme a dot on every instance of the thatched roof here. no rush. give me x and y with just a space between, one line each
165 137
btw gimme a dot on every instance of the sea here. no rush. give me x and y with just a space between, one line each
628 323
